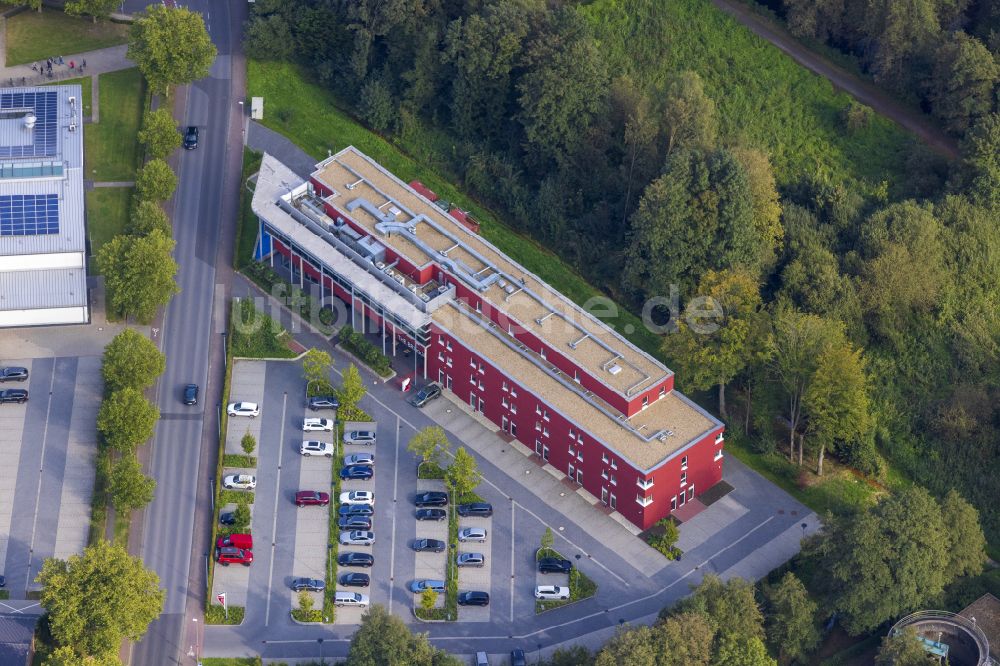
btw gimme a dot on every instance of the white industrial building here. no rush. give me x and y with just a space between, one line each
43 266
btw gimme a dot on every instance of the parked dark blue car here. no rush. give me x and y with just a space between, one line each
356 472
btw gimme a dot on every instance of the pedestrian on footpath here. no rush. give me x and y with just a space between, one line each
34 66
61 61
84 63
71 65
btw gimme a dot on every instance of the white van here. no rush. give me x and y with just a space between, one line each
359 432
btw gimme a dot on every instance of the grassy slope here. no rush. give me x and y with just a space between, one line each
763 98
107 212
34 36
111 151
315 124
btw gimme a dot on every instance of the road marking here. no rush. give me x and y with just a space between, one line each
721 551
513 508
41 468
274 522
392 539
390 409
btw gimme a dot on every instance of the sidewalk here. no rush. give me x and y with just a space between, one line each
101 61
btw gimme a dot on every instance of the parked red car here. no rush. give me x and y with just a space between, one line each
311 498
244 541
229 555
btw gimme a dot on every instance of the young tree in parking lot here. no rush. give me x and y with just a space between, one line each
429 443
126 419
248 443
155 181
96 599
138 274
383 638
462 476
241 516
159 133
548 539
305 601
131 360
352 389
130 488
316 366
171 46
428 598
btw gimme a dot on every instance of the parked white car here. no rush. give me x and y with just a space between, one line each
251 409
472 534
359 459
239 481
313 423
312 448
551 592
357 538
358 497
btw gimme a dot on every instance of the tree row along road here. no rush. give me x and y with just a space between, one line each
863 91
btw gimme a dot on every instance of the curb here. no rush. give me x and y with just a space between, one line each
305 624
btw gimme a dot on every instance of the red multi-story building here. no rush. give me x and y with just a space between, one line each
544 370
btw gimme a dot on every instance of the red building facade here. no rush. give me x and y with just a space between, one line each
639 447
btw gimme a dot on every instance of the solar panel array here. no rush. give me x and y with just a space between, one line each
29 214
44 105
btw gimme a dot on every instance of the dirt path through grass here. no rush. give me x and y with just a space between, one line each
863 91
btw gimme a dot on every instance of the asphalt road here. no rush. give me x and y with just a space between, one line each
178 457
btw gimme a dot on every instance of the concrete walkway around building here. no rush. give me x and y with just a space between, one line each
266 140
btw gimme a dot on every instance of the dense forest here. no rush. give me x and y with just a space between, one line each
859 272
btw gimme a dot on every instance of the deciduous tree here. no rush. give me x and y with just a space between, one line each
248 443
428 598
68 656
352 389
138 274
126 419
462 475
429 443
684 639
981 161
171 46
384 639
963 80
791 619
731 608
688 113
269 38
130 488
967 543
634 647
146 216
742 652
715 341
131 360
155 181
96 9
316 366
159 133
902 649
764 200
836 400
97 599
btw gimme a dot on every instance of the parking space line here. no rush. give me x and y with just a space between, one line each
392 538
274 521
513 507
41 467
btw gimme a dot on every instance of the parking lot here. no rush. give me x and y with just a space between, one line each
47 450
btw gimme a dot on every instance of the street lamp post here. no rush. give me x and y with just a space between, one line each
321 660
197 642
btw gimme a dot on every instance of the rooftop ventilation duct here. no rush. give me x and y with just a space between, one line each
29 120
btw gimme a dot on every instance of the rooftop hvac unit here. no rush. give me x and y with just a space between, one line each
443 288
501 283
425 297
413 288
395 212
615 369
380 265
72 100
509 289
72 127
29 120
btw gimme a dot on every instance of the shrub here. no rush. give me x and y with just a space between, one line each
368 353
248 443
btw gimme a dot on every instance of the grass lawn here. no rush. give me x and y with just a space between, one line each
86 89
34 36
246 232
107 212
309 116
762 96
111 151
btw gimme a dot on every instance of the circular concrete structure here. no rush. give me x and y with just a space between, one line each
967 644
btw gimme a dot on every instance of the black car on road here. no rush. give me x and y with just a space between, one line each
480 509
431 498
355 580
473 599
227 517
318 402
431 514
191 138
362 472
426 394
548 565
517 657
13 374
351 559
191 394
429 546
355 523
13 395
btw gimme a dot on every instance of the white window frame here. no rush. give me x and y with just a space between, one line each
684 479
684 463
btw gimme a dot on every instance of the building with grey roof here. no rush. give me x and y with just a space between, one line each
43 267
17 639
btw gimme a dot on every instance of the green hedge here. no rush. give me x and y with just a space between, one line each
256 335
368 353
451 571
239 460
216 615
430 470
293 297
226 496
312 615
